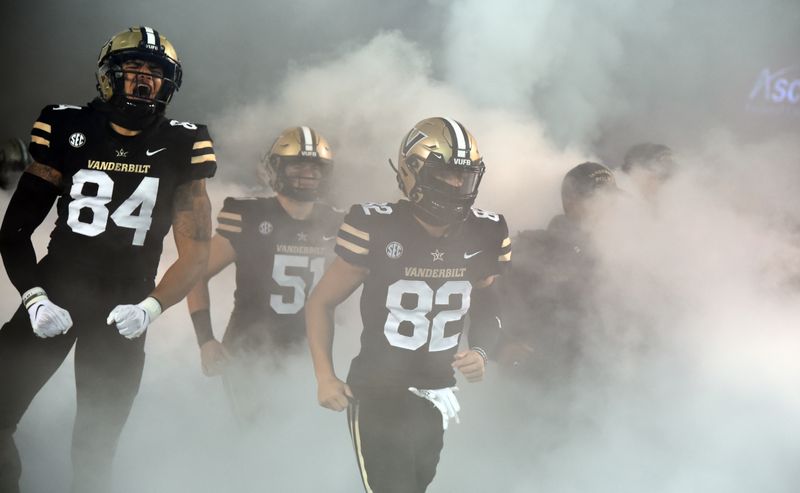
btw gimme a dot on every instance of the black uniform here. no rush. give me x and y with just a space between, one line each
413 306
279 260
113 213
548 297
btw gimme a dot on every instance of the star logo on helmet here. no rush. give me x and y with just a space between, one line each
437 255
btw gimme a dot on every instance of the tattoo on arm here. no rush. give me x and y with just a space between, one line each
46 173
192 211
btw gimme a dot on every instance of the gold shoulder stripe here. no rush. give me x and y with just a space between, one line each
352 247
43 126
355 232
204 158
506 242
202 144
230 215
39 140
504 258
228 227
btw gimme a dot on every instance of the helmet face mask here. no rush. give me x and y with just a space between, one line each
299 164
440 170
147 63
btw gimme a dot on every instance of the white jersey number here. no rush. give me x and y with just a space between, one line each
418 316
143 199
298 297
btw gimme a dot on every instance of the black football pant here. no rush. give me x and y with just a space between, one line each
108 369
397 438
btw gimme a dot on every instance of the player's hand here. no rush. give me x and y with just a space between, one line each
443 399
49 319
213 357
132 320
470 363
333 394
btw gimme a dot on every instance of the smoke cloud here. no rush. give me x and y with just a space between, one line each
689 377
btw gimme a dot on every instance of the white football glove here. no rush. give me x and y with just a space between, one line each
443 399
47 318
132 320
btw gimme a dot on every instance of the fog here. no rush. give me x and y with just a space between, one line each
689 377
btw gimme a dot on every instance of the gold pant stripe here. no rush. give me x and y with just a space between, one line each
504 258
357 445
506 242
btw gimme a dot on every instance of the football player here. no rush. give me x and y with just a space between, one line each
279 245
548 295
424 263
649 166
123 174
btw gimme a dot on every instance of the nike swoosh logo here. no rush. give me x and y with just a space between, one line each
470 255
153 153
328 238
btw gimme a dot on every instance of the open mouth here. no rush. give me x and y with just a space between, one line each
142 91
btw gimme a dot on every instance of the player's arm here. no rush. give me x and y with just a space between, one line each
191 229
212 353
484 327
37 190
191 226
339 282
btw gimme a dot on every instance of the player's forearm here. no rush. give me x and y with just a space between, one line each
182 275
27 209
191 227
319 329
198 297
485 319
198 301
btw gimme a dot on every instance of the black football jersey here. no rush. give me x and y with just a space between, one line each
279 260
117 201
418 290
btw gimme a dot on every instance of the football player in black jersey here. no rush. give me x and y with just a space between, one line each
123 174
279 245
425 263
550 293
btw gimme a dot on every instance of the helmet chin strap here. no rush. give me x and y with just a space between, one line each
127 114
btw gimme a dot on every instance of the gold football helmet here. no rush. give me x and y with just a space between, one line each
299 145
145 44
439 169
